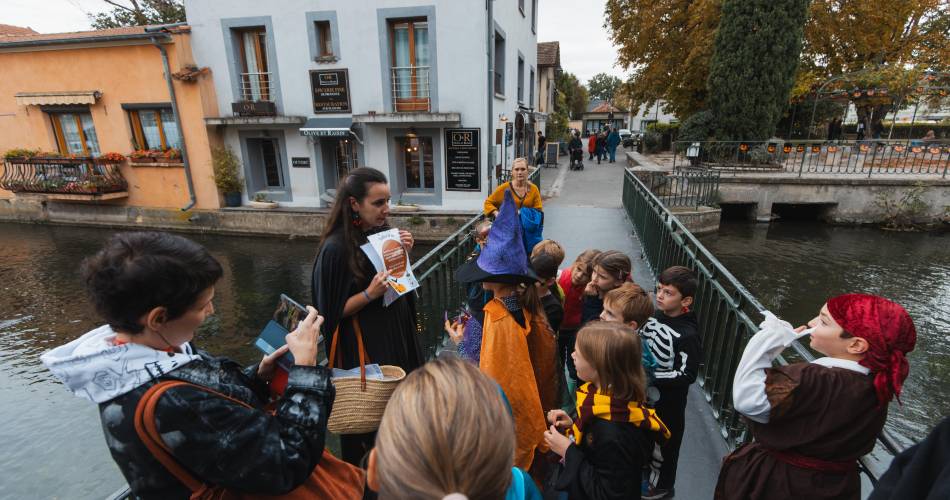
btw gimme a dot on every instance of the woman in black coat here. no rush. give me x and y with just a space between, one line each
346 286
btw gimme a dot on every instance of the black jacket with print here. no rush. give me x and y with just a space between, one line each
677 346
219 441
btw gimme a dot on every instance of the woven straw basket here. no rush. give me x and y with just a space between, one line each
357 410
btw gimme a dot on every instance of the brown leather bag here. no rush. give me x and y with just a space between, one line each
332 478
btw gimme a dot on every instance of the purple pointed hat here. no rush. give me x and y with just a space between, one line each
504 259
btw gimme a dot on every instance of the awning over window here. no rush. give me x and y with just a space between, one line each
327 127
57 98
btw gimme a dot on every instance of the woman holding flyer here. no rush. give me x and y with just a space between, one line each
348 290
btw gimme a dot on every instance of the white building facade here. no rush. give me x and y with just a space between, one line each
641 118
310 89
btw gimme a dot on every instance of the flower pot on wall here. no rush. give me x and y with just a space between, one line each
263 204
232 199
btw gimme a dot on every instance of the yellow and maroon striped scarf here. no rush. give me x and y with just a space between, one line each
591 405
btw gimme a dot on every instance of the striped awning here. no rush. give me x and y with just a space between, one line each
57 98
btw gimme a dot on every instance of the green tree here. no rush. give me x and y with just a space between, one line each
753 67
575 96
667 47
139 13
603 86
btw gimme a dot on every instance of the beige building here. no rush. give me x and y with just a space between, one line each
549 66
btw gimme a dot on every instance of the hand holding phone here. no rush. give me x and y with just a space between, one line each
303 341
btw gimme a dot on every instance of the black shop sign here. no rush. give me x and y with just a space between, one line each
331 90
462 159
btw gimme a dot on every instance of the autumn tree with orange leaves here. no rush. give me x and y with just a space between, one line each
667 46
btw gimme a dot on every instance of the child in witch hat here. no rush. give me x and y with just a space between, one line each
517 346
813 421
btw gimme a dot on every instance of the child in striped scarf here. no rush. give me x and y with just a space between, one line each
611 436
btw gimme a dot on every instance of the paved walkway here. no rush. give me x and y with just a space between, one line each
583 210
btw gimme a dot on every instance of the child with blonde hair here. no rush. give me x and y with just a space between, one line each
611 435
447 433
631 305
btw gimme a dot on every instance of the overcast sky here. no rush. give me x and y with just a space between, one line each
578 25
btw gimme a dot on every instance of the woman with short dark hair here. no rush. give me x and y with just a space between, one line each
154 290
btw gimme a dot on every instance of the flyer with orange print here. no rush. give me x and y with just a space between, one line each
385 251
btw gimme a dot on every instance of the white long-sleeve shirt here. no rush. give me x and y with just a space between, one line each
748 386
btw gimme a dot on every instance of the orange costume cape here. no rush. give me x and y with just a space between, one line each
512 356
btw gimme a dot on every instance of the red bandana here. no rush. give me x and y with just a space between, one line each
890 334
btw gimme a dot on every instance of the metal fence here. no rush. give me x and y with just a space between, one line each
727 312
683 188
862 158
62 175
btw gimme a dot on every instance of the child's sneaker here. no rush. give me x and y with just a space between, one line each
658 493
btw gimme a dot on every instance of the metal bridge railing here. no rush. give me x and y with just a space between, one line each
862 158
683 188
728 313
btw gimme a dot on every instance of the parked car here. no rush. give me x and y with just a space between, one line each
631 139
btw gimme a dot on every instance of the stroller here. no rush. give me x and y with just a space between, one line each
577 159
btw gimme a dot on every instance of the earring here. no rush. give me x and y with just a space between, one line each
356 219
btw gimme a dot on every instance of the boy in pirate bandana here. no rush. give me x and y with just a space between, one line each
813 421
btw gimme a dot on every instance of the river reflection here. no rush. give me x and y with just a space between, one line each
793 267
52 442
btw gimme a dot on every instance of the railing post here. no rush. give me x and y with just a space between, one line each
801 166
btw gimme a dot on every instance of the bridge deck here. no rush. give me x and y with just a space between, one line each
583 210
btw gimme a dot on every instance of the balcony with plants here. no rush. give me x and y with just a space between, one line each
63 176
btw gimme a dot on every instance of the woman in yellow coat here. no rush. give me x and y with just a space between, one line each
524 192
518 348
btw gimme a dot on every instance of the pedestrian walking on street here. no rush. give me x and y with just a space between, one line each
539 158
601 146
613 140
591 145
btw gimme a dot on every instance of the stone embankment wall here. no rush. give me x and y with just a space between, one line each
426 226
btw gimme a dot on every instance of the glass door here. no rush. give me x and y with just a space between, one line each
415 158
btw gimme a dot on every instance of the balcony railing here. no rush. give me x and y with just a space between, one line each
256 87
410 89
79 176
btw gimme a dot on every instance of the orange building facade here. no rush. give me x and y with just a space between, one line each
70 101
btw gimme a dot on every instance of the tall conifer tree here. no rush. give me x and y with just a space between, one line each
753 67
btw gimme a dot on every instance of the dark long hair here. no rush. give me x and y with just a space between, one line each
356 185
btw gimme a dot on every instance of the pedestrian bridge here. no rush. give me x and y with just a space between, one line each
609 208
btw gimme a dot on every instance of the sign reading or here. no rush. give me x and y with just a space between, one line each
331 90
254 108
462 159
300 162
